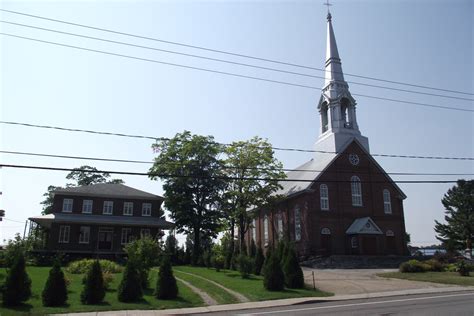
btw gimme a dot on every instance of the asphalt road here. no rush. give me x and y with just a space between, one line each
451 304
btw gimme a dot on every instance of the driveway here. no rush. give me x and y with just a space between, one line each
361 281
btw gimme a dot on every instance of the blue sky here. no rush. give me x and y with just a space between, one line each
421 42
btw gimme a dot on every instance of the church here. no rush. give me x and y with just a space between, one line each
341 202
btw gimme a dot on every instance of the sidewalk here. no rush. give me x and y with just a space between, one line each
275 303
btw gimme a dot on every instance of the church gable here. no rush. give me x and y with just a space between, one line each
364 225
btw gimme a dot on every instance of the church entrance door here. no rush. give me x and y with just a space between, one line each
369 245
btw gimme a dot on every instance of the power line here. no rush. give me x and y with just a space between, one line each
11 220
229 62
225 167
158 175
229 73
229 53
274 148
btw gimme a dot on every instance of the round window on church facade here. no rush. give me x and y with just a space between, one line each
354 159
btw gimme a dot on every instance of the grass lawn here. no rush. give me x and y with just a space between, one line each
436 277
38 276
251 288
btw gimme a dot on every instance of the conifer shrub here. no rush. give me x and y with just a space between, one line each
463 268
130 288
94 289
17 287
55 289
259 259
282 250
166 287
294 278
245 266
273 277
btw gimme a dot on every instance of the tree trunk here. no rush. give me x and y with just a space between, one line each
196 247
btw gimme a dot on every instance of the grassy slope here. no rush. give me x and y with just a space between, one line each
436 277
38 275
251 288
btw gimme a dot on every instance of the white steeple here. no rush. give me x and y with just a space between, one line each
337 108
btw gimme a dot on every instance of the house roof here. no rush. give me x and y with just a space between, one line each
47 220
364 225
108 190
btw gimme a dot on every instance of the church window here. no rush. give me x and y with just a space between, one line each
345 104
389 233
325 231
324 117
324 197
387 204
354 242
356 191
254 230
297 223
280 225
265 230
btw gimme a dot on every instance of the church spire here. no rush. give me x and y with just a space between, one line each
336 106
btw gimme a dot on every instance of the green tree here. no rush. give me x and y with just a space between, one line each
259 260
55 289
94 289
48 199
171 247
144 252
273 277
17 287
191 171
256 172
294 278
166 287
459 228
130 289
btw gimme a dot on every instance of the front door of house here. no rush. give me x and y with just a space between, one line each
104 240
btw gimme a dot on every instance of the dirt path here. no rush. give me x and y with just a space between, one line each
208 300
237 295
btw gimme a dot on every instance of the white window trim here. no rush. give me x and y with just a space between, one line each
265 230
126 235
325 231
84 202
387 203
71 205
124 208
254 230
356 191
88 234
297 223
389 233
143 209
280 225
66 231
354 242
324 197
106 208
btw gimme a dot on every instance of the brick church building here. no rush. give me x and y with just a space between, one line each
342 202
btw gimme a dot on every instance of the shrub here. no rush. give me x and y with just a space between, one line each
108 279
259 259
145 253
463 268
252 249
55 289
166 287
414 266
282 250
207 258
94 289
17 287
435 265
445 258
245 266
273 280
294 278
130 288
15 247
218 262
84 265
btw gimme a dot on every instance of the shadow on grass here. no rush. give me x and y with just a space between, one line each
19 308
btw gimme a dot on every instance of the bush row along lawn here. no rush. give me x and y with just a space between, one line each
39 275
251 287
436 277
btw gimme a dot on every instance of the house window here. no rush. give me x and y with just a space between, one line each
128 208
324 197
297 223
146 209
356 191
84 235
87 206
64 234
389 233
280 225
254 230
126 234
265 230
387 205
354 242
108 208
67 205
145 232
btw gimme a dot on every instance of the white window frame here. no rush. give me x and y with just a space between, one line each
84 234
87 206
254 230
146 207
389 233
297 223
64 233
325 231
128 208
125 236
265 230
354 242
387 203
280 225
356 191
144 232
108 208
324 197
67 205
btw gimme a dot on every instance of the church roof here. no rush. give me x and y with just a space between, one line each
108 190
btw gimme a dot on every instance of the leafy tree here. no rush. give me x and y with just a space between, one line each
166 287
55 289
273 277
130 289
17 287
245 266
294 278
171 248
94 289
144 252
259 260
191 171
257 171
459 228
48 199
16 247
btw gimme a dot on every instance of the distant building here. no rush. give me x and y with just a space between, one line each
100 219
343 202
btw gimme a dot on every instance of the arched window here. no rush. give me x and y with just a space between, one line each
324 197
356 190
265 230
389 233
324 117
254 230
345 104
325 231
280 225
387 204
297 223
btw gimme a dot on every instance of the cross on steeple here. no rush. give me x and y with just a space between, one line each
328 5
